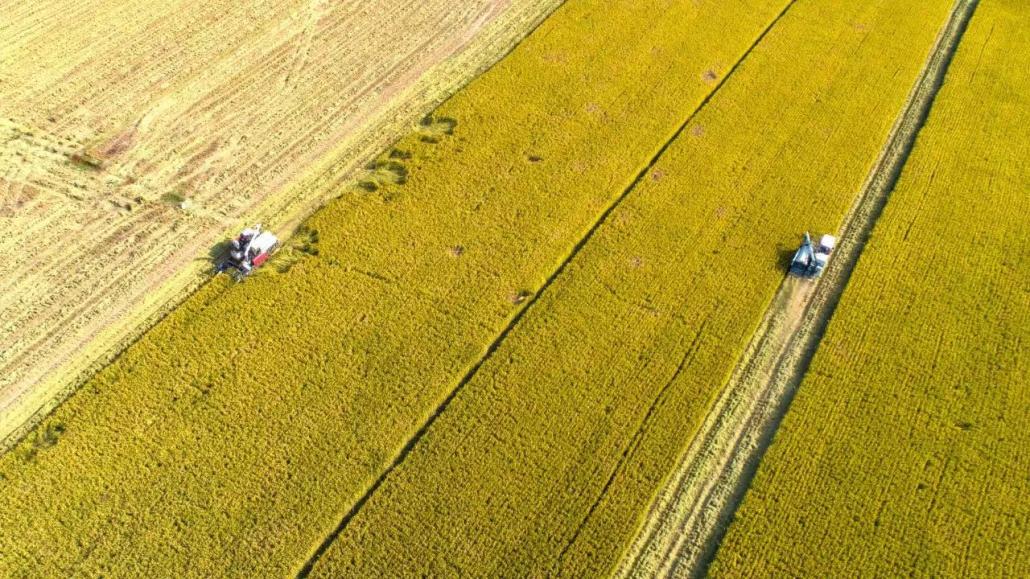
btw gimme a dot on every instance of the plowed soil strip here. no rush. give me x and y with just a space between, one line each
410 444
689 518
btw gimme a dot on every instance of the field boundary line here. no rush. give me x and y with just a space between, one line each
282 211
688 519
499 339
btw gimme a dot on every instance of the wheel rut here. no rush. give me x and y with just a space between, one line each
687 520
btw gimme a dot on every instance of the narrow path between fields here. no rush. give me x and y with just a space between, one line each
688 519
420 433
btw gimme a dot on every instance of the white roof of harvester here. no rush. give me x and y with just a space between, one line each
265 241
828 241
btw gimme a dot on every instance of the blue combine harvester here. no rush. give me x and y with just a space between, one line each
809 260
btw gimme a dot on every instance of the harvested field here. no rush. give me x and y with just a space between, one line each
904 452
137 134
545 461
234 435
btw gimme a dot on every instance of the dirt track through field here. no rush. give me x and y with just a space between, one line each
689 517
137 134
305 571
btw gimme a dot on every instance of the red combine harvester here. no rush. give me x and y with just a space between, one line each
249 250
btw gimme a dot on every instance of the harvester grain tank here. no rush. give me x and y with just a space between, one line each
810 260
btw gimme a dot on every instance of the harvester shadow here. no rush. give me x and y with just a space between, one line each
218 253
784 257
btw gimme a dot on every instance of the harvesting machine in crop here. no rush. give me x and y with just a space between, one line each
810 260
249 250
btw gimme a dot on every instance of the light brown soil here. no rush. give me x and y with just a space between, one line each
253 112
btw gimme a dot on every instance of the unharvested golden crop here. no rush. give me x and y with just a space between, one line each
905 451
231 438
545 461
135 134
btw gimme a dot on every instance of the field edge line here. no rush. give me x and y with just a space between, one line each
740 426
406 449
286 216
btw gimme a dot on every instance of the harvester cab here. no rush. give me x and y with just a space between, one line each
810 260
249 250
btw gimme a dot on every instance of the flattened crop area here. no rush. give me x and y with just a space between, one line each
905 451
689 517
136 134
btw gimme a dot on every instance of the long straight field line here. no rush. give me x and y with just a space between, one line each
496 343
49 350
571 418
233 436
904 450
689 518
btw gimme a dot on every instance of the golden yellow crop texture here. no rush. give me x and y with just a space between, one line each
232 437
545 462
905 451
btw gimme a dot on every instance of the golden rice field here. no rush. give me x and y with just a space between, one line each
234 434
905 451
544 462
487 352
136 134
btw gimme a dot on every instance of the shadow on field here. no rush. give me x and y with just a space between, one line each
784 255
218 253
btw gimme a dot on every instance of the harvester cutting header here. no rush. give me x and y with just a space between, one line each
249 250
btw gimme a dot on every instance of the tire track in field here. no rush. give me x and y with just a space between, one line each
499 339
688 519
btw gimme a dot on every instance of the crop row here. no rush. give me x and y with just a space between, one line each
232 437
904 453
544 463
